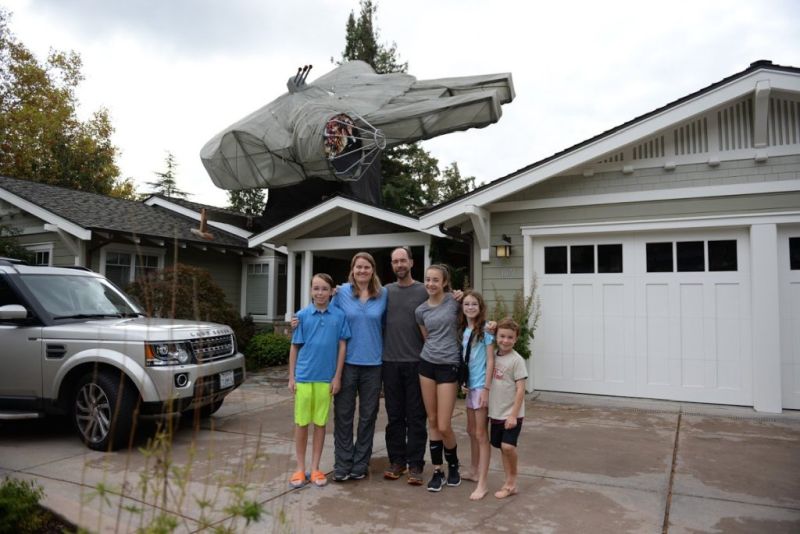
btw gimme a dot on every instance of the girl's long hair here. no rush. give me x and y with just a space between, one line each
480 320
374 287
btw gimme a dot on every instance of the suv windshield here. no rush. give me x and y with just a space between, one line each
70 296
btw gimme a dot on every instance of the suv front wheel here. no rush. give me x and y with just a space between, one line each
103 410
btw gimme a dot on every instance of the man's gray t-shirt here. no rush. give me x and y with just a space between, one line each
441 323
402 340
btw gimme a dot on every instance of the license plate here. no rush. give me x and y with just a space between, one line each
226 380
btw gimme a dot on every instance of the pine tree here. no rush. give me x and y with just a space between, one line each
166 184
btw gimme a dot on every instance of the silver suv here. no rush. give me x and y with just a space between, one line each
72 343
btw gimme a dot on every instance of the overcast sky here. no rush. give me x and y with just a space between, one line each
173 73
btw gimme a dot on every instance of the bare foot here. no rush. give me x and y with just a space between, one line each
504 492
470 475
478 494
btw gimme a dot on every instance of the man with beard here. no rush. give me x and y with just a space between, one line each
406 433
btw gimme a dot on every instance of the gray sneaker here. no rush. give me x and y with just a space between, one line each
340 476
415 476
437 481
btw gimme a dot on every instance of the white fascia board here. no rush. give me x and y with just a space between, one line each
741 220
230 228
634 132
338 203
47 216
411 239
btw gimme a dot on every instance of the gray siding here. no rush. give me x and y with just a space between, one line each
648 179
226 269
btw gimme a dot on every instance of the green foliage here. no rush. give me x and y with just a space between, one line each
250 201
19 507
412 180
41 137
166 184
185 292
526 311
267 349
10 247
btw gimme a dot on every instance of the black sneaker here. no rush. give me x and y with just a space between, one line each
340 476
453 476
437 481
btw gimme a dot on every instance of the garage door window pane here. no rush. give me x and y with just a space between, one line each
659 257
609 258
581 259
722 255
691 256
794 253
555 260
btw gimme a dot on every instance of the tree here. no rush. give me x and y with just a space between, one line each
250 201
166 184
41 138
410 174
124 188
10 247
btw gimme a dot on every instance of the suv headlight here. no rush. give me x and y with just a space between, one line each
167 354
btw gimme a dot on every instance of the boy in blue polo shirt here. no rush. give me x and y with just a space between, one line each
316 359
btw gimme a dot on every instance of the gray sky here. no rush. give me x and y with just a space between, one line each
173 73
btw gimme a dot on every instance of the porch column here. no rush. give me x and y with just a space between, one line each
765 309
289 285
306 272
527 285
426 261
272 295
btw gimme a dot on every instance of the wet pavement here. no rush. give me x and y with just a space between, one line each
586 463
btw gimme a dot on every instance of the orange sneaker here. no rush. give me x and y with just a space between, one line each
318 478
298 479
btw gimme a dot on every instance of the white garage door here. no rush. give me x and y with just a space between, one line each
659 315
789 266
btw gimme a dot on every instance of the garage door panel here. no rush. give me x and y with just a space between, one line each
673 335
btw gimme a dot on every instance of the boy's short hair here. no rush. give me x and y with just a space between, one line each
508 323
325 277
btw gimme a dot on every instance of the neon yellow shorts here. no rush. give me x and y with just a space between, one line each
312 402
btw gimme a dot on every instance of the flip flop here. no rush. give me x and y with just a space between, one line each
502 493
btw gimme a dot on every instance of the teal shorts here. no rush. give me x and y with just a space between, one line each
312 402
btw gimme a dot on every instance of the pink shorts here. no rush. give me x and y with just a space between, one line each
474 398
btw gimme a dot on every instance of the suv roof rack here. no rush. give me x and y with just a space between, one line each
78 267
12 261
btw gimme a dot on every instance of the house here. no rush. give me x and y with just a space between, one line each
123 239
666 250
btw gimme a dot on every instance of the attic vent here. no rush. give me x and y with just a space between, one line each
784 122
735 124
691 138
653 148
613 158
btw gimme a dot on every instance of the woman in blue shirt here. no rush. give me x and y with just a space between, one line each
363 301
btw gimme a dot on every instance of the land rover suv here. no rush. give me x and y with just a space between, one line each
72 343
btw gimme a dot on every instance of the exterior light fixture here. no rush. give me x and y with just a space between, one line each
503 250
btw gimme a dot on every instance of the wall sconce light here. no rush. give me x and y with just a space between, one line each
503 250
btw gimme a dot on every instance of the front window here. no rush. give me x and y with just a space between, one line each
125 266
72 296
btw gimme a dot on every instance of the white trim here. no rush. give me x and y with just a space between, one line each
48 216
329 208
72 243
711 221
271 262
411 239
784 186
641 129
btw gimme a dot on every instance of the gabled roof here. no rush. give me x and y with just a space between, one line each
79 212
334 207
735 86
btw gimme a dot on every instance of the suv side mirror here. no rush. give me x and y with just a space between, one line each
13 311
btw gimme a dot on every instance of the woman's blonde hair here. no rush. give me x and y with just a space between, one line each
374 287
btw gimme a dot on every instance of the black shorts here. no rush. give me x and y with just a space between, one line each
441 373
499 434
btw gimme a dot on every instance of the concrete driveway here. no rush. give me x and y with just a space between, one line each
587 464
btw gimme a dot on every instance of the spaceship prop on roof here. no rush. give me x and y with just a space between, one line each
335 127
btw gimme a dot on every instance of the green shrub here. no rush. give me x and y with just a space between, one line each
19 506
185 292
267 349
526 311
